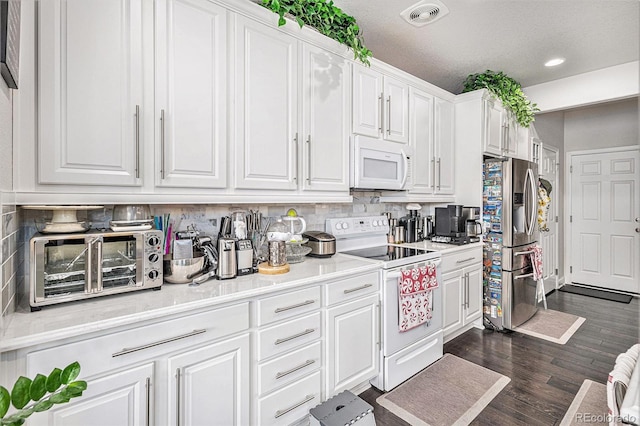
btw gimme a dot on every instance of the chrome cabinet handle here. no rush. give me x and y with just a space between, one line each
178 397
468 289
351 290
433 173
162 121
137 141
309 160
297 305
389 115
381 112
294 369
148 401
126 351
439 173
280 413
295 158
465 260
295 336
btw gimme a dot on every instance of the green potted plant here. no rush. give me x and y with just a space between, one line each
326 19
30 396
507 90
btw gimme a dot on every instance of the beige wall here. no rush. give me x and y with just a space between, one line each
601 126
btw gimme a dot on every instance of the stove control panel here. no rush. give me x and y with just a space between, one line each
345 227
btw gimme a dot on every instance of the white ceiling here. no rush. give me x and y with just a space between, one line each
513 36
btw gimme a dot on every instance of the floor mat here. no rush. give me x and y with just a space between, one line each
451 391
588 406
554 326
600 294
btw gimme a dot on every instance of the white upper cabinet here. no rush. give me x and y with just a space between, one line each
380 105
190 95
265 138
325 120
444 147
494 118
431 134
90 92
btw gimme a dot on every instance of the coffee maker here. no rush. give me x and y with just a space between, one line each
473 227
451 225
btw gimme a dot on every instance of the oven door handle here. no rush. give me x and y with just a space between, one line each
392 275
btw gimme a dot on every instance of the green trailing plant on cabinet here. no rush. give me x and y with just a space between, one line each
507 90
326 19
41 393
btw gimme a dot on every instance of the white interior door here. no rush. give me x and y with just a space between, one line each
549 236
605 210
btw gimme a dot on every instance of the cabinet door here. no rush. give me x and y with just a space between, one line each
190 114
523 143
452 297
510 143
352 347
266 88
494 127
367 101
122 398
444 149
90 92
325 120
474 293
396 110
210 385
421 140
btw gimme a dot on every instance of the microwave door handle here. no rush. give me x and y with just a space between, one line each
406 169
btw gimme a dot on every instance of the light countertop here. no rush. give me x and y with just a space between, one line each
24 328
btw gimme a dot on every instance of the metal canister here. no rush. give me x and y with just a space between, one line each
277 253
398 234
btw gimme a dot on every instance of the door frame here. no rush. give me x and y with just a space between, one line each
567 197
557 219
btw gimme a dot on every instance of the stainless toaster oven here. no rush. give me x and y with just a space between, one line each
68 267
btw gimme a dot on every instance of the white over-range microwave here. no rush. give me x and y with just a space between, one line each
380 165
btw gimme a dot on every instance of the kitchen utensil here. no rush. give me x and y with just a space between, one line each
182 271
277 253
131 212
227 262
296 226
322 244
244 255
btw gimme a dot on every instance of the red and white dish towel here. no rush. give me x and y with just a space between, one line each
415 296
536 262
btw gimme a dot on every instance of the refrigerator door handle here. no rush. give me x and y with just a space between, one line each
530 202
523 276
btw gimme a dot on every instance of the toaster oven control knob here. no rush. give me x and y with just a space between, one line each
153 240
154 257
153 274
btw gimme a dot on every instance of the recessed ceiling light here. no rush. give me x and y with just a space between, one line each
554 62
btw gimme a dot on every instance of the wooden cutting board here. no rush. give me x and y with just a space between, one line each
265 268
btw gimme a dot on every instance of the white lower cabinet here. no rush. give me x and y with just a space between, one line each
353 338
461 290
210 385
120 398
191 370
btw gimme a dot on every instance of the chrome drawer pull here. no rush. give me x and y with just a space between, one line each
294 369
280 413
465 260
126 351
295 336
148 423
306 302
351 290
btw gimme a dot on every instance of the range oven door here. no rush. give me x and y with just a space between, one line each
393 339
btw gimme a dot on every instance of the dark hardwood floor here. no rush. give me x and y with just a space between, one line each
545 376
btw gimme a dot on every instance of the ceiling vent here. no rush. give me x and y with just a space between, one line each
424 12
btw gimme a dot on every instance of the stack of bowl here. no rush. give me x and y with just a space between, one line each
131 217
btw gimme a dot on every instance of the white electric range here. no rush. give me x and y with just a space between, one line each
402 354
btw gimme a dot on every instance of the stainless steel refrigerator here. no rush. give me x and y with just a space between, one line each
510 230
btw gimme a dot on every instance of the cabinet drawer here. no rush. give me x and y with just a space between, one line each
289 335
287 305
290 403
289 368
105 353
352 288
461 259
